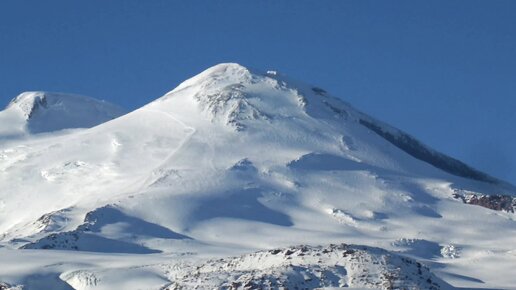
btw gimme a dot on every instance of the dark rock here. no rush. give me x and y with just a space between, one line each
319 91
499 202
417 150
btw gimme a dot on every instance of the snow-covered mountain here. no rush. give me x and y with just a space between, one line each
240 179
39 112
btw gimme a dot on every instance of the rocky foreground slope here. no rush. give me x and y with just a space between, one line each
306 267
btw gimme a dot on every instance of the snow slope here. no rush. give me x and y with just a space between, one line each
235 161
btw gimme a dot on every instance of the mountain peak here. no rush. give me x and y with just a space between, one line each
240 98
234 94
31 101
28 102
223 72
39 111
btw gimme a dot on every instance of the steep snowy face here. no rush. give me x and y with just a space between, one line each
38 112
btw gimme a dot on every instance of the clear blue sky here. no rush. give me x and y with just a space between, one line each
444 71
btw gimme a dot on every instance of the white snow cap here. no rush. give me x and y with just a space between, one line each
47 111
